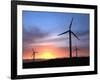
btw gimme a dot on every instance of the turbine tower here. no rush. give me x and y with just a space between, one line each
76 49
33 53
70 38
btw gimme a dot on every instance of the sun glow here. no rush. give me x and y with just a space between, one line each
47 55
46 52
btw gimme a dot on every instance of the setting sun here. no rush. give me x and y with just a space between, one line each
47 55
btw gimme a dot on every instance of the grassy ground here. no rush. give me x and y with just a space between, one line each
80 61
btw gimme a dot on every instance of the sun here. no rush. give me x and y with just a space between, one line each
48 55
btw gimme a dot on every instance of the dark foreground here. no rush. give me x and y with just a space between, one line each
82 61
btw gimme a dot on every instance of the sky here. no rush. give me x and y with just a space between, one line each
41 29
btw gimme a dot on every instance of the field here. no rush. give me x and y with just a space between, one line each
75 61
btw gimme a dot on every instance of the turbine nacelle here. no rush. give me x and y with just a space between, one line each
70 33
34 51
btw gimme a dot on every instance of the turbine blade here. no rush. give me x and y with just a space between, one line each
63 33
75 35
71 24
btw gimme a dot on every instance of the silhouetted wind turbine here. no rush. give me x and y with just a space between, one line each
33 54
70 38
76 49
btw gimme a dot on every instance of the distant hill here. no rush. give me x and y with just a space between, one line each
75 61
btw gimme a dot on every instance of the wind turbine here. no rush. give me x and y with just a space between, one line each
76 49
33 54
70 38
